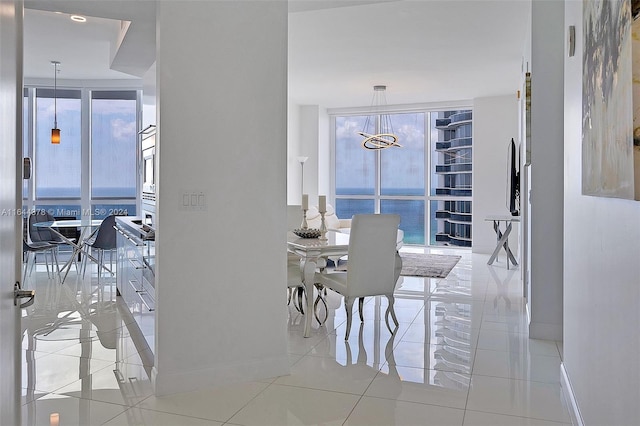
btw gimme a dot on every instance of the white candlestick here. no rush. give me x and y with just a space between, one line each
322 204
305 201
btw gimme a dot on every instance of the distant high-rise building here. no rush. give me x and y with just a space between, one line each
453 177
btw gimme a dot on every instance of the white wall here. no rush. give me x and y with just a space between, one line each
308 137
324 153
221 310
294 150
149 97
601 276
495 123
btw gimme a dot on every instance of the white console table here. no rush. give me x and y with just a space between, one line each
502 237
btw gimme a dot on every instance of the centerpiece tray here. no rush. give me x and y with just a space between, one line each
307 233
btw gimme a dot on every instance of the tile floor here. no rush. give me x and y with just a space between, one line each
461 356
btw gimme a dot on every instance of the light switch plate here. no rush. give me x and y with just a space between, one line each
192 200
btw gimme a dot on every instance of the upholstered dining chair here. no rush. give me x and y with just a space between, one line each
104 239
374 265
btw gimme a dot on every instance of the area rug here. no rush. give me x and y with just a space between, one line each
427 265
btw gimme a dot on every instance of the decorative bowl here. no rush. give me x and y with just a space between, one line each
307 233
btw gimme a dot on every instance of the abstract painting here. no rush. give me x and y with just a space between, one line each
607 104
635 41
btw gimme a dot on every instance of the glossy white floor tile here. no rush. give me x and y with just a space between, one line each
477 418
139 416
288 405
214 404
376 411
521 398
510 365
460 356
421 385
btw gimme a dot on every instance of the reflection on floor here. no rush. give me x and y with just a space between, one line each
461 356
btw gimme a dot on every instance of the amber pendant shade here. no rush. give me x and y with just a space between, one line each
55 136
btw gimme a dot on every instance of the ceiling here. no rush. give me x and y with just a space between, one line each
422 50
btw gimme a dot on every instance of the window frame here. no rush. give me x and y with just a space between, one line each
427 198
85 201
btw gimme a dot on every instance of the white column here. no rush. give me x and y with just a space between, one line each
221 264
547 169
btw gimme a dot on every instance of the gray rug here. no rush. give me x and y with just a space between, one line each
427 265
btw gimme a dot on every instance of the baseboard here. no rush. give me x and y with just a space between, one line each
168 383
570 398
545 331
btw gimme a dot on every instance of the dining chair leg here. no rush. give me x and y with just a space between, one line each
55 259
34 262
360 310
391 311
348 305
100 263
46 262
300 291
26 264
84 263
315 306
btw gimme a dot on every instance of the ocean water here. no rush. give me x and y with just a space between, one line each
74 192
412 212
98 210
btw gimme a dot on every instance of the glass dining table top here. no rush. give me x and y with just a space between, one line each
71 223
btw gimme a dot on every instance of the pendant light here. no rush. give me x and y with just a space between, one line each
55 132
378 133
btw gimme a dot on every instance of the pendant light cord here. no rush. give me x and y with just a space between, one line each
55 98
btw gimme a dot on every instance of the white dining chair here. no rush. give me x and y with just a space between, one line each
374 265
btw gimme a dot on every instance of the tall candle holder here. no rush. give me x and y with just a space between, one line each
304 219
323 228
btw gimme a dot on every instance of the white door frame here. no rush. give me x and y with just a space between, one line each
11 57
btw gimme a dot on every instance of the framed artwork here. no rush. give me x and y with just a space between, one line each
635 54
527 106
607 101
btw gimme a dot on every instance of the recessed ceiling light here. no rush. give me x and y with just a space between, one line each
78 18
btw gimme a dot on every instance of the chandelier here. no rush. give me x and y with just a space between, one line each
378 130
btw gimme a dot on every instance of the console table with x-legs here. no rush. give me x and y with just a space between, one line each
502 237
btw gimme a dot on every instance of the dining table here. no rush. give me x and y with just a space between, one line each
85 225
313 253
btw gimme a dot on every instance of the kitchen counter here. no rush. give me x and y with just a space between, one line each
136 226
135 279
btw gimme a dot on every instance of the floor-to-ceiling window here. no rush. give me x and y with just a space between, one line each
93 171
435 154
114 172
